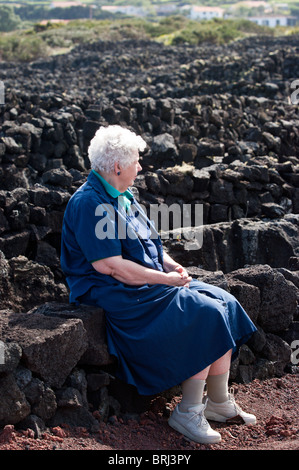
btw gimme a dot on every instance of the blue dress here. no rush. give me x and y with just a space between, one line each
160 335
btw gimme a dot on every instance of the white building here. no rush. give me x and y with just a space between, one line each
130 10
204 12
274 20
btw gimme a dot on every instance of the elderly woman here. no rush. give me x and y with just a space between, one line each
163 327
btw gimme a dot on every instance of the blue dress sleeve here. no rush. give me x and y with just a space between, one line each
95 230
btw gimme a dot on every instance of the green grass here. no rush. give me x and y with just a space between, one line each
37 41
218 31
19 47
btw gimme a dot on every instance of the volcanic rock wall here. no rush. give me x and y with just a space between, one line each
222 132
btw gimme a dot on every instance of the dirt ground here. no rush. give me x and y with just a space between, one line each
274 402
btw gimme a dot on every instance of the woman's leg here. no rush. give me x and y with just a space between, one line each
188 417
216 375
217 379
221 405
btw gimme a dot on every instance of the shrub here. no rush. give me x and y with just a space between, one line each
8 20
16 48
217 31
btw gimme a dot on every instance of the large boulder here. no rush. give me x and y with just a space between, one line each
229 246
25 283
164 150
93 320
51 347
13 407
278 296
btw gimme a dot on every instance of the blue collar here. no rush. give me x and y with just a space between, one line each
125 198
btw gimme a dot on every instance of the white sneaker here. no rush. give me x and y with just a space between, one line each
194 425
228 412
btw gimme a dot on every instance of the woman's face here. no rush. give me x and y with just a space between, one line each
127 175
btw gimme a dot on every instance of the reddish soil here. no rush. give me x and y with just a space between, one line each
274 402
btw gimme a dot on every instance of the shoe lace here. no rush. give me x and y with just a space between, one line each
200 416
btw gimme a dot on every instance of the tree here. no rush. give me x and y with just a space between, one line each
8 19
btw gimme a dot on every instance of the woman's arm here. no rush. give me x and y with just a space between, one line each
131 273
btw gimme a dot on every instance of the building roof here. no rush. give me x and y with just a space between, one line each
66 4
252 3
200 8
109 7
266 17
45 22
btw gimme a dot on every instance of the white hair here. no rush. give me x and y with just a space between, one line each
113 144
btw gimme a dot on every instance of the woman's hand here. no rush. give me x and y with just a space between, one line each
170 267
180 269
179 277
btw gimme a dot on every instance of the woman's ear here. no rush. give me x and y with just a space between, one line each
117 168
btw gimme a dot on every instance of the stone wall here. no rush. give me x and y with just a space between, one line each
57 368
220 127
221 132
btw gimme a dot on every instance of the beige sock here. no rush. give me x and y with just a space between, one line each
192 393
217 387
